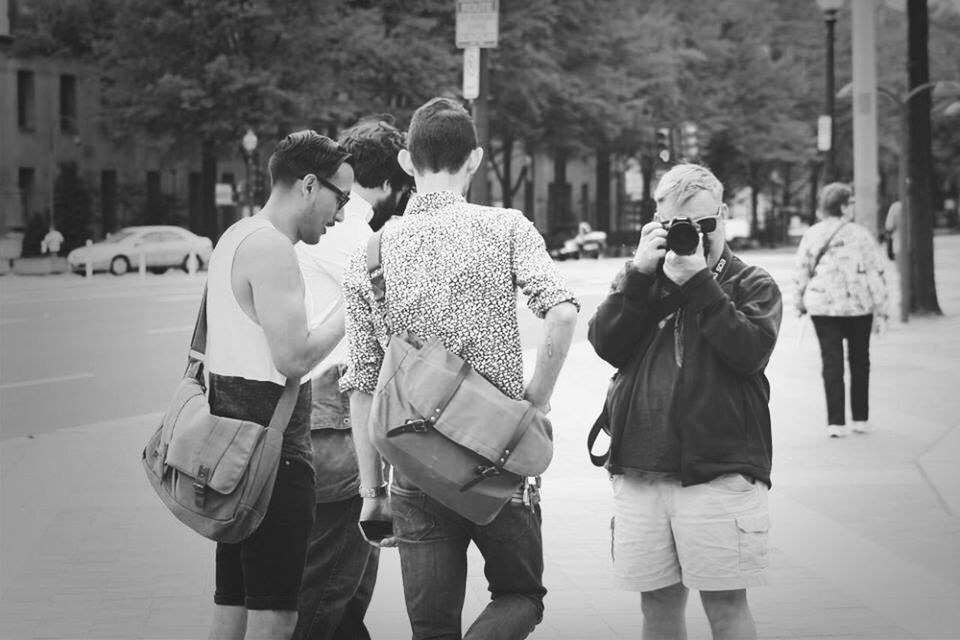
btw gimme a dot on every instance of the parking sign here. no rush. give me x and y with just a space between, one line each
478 23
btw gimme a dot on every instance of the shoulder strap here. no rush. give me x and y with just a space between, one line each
825 247
375 273
198 347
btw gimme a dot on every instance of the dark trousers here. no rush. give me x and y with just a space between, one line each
831 332
433 562
338 577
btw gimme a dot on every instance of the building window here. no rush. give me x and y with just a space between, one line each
68 104
26 181
25 101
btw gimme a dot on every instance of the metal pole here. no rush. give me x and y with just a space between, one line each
903 251
479 189
828 168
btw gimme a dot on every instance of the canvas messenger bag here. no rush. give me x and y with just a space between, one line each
215 474
446 427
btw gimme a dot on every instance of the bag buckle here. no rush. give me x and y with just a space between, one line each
411 425
200 485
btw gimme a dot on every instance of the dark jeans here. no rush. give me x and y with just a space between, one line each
831 332
433 561
338 577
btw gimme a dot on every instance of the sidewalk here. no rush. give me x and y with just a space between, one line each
865 544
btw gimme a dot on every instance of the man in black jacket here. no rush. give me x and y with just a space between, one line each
691 329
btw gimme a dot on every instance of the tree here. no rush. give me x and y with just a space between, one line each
923 299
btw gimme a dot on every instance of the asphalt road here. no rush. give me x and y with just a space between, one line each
76 351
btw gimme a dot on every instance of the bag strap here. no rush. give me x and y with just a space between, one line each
197 356
663 308
825 247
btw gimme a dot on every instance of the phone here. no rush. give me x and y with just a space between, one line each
376 530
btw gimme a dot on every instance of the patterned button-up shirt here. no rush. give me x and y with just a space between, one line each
452 270
849 279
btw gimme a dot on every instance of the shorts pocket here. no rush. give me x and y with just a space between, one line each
753 533
733 482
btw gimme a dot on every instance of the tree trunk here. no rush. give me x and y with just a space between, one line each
603 189
647 205
923 286
209 218
814 191
560 215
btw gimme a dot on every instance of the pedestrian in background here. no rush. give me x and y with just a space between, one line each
690 453
452 270
839 280
891 229
51 242
257 311
341 568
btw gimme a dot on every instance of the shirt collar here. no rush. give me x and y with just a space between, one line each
433 202
358 207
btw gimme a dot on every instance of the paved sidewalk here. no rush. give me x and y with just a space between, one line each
865 544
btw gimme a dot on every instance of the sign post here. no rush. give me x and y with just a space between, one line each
478 28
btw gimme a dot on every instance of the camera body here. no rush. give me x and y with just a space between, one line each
683 235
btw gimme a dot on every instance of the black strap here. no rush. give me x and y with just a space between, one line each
197 355
662 308
825 247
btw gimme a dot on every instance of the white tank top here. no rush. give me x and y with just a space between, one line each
236 345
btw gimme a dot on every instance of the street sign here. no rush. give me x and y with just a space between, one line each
478 23
823 133
471 73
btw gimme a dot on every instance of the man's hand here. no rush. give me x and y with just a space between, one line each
376 517
682 268
651 248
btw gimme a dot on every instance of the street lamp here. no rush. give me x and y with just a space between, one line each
904 253
825 125
249 144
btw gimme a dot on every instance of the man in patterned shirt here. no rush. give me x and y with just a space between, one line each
452 270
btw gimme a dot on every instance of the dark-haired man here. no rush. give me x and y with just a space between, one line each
257 311
341 568
452 270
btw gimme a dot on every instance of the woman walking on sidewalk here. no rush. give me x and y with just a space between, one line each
839 281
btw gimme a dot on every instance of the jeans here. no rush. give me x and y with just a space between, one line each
831 332
433 561
338 577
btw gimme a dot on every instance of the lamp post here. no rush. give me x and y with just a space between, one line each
905 248
249 144
830 9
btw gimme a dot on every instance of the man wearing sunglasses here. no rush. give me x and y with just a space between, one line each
690 455
259 336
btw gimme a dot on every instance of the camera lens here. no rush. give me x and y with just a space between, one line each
683 236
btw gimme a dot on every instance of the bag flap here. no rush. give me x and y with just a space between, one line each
479 416
224 446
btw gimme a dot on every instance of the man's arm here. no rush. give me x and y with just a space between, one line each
558 326
267 262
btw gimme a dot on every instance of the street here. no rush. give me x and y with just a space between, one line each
864 543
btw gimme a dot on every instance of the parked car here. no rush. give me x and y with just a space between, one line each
587 243
162 246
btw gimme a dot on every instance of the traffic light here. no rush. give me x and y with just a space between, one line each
664 148
691 144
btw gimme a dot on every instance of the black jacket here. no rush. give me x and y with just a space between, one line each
720 406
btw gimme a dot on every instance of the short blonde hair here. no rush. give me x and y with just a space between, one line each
684 181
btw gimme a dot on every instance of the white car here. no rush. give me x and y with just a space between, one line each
162 246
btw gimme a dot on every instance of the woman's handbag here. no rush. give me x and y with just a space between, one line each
215 474
446 427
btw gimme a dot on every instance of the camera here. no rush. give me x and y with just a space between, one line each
683 235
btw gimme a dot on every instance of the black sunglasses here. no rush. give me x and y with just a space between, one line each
342 196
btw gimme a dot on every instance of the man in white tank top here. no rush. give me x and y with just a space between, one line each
257 310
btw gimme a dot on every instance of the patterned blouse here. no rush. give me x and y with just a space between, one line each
848 280
452 270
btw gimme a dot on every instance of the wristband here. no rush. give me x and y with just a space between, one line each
374 492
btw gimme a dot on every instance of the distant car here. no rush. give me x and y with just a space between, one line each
163 247
587 243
